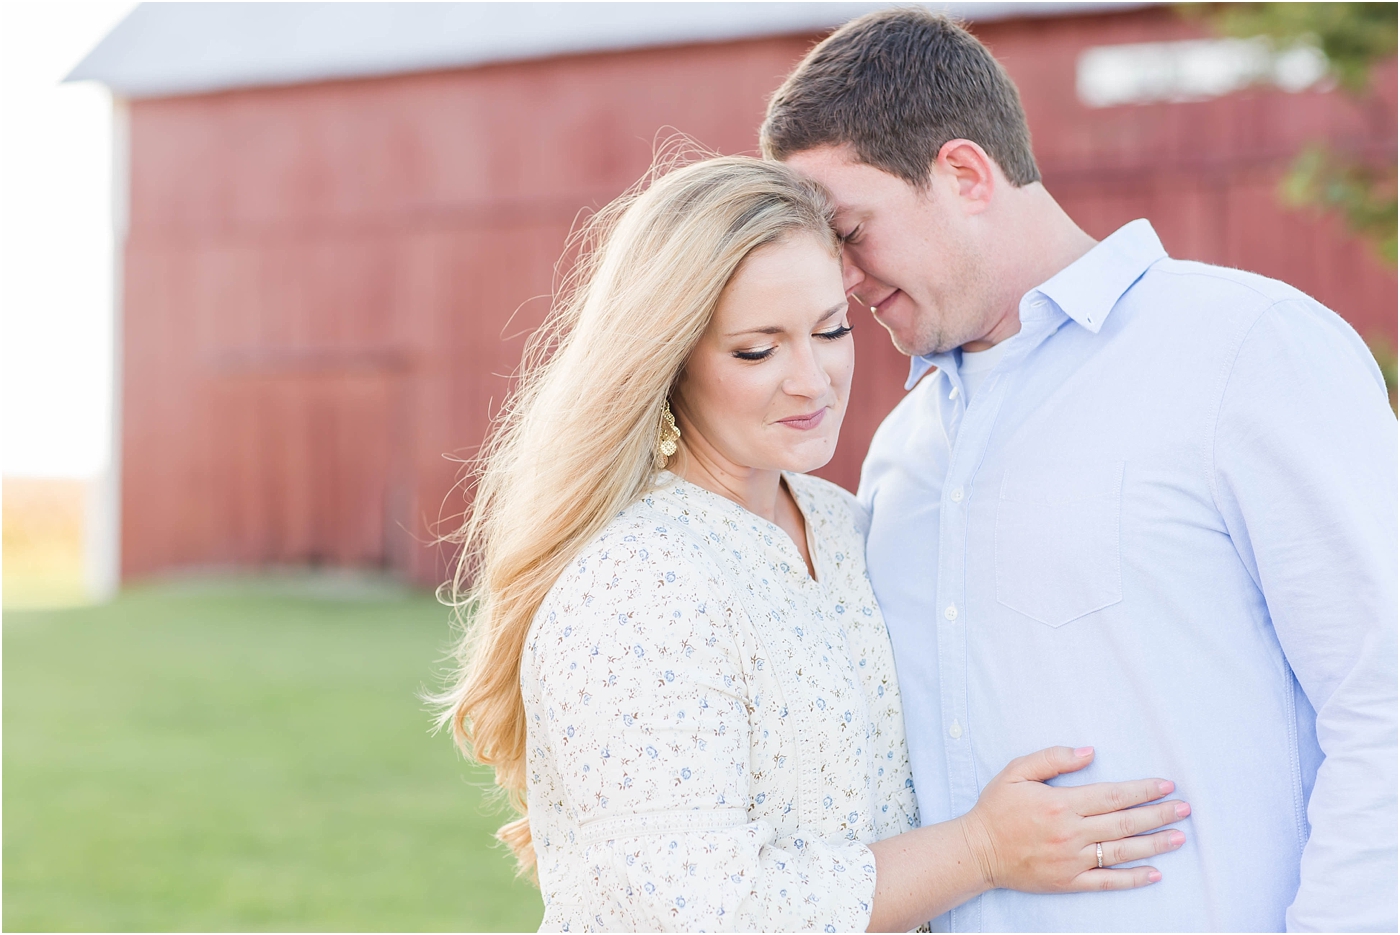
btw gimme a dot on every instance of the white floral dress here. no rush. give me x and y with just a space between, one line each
714 737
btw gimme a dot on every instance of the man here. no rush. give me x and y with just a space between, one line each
1140 503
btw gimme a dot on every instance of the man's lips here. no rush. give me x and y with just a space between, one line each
885 303
877 308
810 421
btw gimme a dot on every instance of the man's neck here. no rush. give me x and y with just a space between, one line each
1042 240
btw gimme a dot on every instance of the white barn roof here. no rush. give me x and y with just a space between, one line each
164 49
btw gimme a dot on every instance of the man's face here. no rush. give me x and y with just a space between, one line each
909 254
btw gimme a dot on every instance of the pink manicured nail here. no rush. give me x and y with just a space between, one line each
1165 786
1176 838
1084 751
1182 809
1154 876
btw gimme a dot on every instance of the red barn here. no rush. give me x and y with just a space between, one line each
344 218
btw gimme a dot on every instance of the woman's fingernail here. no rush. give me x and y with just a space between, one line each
1165 786
1084 751
1182 809
1154 875
1176 838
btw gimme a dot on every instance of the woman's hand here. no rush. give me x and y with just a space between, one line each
1043 839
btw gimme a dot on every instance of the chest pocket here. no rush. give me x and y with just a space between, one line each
1057 540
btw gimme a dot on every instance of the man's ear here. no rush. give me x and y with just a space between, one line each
967 169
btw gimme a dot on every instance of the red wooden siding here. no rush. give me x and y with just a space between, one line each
328 285
1205 172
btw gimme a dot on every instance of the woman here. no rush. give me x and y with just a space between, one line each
676 664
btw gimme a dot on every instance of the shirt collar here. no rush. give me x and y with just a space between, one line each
1086 290
1089 288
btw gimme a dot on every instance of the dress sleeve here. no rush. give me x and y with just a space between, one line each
645 704
1305 455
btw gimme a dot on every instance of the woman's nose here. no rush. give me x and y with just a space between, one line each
808 377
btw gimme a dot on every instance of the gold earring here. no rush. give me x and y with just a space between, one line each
667 438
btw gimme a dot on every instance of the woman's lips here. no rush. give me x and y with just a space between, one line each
809 421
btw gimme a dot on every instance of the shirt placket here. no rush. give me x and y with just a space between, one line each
969 444
971 431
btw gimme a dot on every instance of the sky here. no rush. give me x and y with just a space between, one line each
55 242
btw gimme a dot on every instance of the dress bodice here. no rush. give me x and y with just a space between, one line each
713 735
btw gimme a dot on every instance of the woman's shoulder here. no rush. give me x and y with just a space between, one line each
641 561
645 536
643 587
838 507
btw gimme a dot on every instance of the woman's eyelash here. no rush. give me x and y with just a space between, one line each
832 335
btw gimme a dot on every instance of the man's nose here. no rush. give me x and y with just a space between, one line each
851 274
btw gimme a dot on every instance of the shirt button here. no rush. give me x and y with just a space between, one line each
954 393
957 495
951 613
955 731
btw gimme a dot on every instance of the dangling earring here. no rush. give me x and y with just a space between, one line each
667 438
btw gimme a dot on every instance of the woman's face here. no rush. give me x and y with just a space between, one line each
766 386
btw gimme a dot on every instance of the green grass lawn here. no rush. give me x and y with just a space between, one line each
242 757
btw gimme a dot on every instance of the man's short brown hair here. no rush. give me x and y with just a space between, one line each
894 86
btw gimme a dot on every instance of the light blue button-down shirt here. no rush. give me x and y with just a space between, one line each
1164 526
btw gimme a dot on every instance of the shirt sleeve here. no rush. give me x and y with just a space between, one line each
648 714
1305 475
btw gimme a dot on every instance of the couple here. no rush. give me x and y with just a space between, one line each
1129 501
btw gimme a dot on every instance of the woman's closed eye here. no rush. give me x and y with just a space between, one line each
835 333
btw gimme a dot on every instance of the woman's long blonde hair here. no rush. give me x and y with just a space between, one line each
576 443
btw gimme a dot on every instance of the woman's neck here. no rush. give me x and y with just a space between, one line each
761 492
753 489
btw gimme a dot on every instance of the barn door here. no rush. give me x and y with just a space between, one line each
308 467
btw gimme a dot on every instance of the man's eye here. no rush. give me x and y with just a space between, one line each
853 236
835 333
754 355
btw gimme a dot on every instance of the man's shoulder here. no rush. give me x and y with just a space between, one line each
911 406
889 445
1220 289
1196 295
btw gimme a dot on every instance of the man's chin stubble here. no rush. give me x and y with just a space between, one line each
936 341
924 345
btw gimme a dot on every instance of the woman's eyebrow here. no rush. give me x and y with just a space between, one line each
776 329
